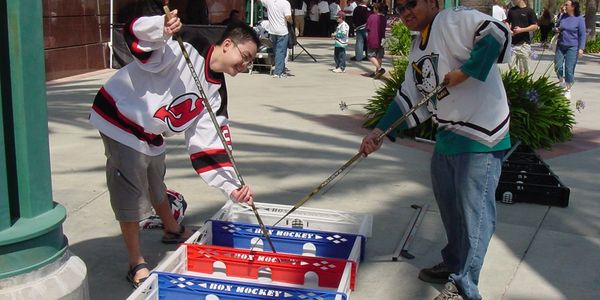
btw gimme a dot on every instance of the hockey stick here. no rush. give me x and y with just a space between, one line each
213 118
359 155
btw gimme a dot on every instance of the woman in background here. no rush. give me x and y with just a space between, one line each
570 45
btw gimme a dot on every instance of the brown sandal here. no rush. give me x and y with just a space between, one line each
131 274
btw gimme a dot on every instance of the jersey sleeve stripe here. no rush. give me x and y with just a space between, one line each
499 32
133 43
209 160
105 106
474 126
404 102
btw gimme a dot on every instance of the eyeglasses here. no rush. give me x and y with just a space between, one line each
246 58
410 4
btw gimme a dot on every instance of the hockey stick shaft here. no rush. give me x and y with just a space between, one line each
358 155
213 118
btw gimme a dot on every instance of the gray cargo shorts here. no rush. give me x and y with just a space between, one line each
135 180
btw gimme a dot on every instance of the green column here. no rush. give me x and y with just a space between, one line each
451 3
30 222
4 207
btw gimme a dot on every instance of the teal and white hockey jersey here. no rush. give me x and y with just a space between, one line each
472 116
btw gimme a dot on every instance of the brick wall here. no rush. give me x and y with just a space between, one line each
76 33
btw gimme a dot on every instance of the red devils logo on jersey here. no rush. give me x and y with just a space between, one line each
181 112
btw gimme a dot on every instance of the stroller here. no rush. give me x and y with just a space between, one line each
265 58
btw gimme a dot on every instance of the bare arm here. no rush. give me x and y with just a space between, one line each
532 27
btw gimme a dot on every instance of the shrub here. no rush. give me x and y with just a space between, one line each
378 104
593 46
537 37
540 114
399 42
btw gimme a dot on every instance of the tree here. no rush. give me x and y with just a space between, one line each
484 6
552 8
590 18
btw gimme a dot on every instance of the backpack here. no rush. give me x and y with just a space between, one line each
178 207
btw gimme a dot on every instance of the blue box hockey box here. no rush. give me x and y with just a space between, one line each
286 240
162 285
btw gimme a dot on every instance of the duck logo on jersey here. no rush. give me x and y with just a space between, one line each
425 74
181 112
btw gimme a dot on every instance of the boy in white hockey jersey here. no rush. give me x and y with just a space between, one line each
459 47
155 96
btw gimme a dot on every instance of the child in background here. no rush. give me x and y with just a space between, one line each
341 42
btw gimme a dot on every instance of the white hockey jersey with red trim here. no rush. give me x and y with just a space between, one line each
155 96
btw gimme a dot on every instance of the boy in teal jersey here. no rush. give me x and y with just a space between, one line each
341 42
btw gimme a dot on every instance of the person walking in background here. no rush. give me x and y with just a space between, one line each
375 34
498 11
384 8
461 49
545 22
279 13
561 12
361 14
299 16
570 45
349 10
324 18
521 20
334 7
341 42
313 19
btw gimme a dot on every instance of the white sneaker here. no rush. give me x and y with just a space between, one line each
338 70
568 94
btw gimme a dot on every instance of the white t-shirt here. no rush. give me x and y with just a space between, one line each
333 10
323 7
498 13
349 10
277 10
314 13
301 12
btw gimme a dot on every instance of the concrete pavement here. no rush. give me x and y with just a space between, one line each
289 135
